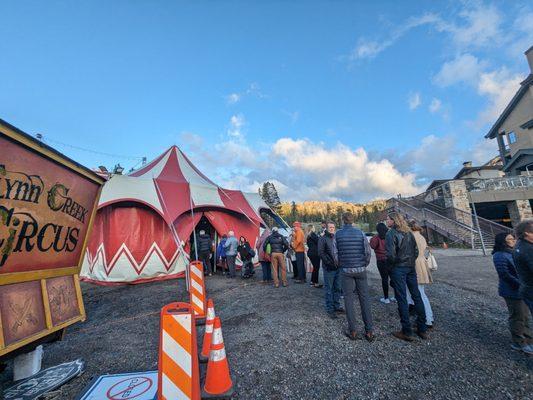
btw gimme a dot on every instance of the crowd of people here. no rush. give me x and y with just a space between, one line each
404 261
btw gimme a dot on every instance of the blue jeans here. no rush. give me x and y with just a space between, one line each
332 290
267 270
402 278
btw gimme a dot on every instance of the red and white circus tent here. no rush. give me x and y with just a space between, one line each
144 220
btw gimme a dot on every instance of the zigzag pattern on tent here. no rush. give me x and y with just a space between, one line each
123 250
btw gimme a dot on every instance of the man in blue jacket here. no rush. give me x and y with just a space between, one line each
354 256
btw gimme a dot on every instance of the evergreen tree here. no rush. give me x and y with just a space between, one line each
270 195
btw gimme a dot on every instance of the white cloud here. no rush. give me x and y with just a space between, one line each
294 116
480 27
414 101
337 172
253 90
464 68
237 122
499 87
367 48
435 105
233 98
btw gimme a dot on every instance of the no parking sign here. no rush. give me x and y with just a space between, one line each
135 385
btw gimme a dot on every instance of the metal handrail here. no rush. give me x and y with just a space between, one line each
492 224
438 215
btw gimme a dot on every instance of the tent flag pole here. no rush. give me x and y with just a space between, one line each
193 225
215 253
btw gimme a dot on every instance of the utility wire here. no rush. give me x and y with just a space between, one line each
92 151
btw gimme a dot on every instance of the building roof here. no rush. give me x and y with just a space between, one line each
437 182
467 170
519 154
510 107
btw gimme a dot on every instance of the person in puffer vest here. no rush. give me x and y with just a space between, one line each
354 256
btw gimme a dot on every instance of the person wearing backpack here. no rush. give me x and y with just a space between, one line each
278 246
264 256
354 257
327 251
402 253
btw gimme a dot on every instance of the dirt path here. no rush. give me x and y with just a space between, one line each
281 345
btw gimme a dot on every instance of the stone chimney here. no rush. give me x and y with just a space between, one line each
529 56
467 164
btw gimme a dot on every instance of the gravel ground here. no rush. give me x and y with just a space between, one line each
281 345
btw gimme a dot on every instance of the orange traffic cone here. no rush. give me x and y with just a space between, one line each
210 320
218 382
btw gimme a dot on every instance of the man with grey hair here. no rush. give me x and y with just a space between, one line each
523 258
231 253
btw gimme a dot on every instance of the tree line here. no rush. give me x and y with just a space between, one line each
366 215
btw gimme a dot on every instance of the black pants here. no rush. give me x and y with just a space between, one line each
294 269
204 258
315 260
383 268
300 262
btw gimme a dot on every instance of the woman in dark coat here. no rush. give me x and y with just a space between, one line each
312 254
508 288
247 254
378 244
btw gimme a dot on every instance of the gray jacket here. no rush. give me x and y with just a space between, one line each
231 246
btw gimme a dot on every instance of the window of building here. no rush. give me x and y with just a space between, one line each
512 137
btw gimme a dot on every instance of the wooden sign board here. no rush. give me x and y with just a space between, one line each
47 205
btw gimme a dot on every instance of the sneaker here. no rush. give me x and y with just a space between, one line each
340 310
516 347
369 336
384 300
332 315
393 299
298 281
319 286
528 349
403 336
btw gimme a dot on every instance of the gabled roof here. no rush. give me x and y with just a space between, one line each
519 154
172 185
510 107
467 170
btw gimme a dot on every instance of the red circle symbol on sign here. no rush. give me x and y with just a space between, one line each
129 388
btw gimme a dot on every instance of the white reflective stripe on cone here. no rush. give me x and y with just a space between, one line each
217 337
217 355
210 313
209 328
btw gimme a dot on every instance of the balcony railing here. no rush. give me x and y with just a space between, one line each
505 183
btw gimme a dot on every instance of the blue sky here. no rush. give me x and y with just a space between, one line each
330 100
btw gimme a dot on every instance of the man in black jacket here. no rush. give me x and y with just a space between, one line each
204 251
278 246
523 257
327 251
